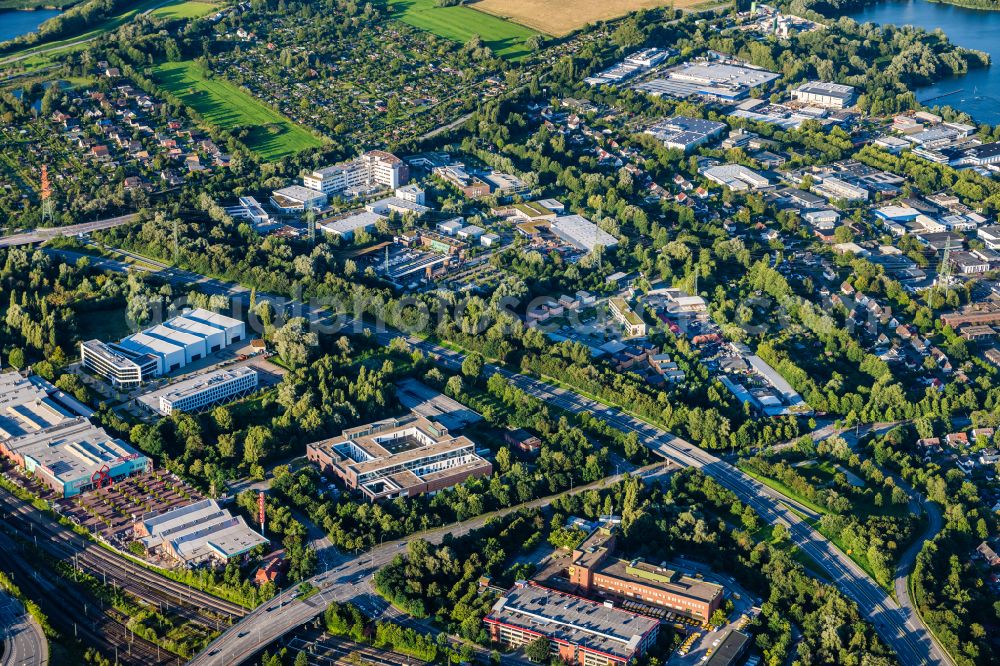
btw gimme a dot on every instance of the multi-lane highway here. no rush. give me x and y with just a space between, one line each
24 642
41 235
899 627
349 579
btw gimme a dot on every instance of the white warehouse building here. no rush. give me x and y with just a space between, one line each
208 389
163 348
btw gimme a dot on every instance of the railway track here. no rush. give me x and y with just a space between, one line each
77 614
149 586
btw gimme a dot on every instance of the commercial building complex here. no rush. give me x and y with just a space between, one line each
684 133
723 81
204 390
31 404
376 168
580 632
198 533
581 233
737 177
161 349
594 570
74 456
822 93
399 457
297 199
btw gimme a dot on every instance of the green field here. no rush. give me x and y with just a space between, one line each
220 103
190 9
460 23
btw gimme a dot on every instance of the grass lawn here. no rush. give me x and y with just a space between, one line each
220 103
460 23
190 9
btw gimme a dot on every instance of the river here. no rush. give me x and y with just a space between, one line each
15 23
972 28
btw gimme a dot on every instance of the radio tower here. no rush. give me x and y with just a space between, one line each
944 270
47 214
311 218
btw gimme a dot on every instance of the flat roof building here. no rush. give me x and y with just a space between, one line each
708 79
581 233
580 632
162 348
685 133
399 457
297 199
632 323
346 226
197 533
75 456
826 94
30 404
376 168
594 570
737 177
203 390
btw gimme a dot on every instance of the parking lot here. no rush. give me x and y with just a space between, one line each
111 511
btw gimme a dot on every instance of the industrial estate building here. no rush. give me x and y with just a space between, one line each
737 177
31 404
204 390
399 457
594 570
161 349
580 632
198 533
581 233
74 456
686 134
725 81
823 93
376 168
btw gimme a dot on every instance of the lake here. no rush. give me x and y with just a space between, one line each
979 94
14 23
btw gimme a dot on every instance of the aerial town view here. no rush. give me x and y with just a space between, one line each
500 332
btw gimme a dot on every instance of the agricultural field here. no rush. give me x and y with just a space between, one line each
190 9
220 103
461 23
553 18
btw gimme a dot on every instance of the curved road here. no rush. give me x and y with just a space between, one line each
24 642
900 628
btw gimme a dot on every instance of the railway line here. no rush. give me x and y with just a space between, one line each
77 614
168 595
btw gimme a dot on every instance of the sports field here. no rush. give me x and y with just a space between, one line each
220 103
561 17
460 23
190 9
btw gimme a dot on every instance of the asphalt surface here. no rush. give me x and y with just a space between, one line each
24 642
900 628
43 234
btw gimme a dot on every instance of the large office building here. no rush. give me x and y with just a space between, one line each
580 632
823 93
399 457
75 456
376 168
205 390
197 533
161 349
581 233
595 570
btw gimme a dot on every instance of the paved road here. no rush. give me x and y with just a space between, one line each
24 642
43 234
902 630
349 579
